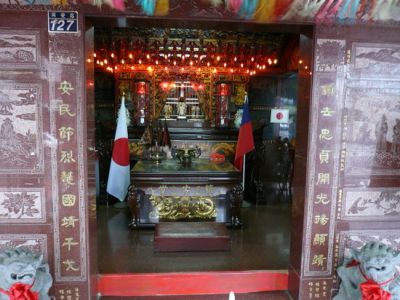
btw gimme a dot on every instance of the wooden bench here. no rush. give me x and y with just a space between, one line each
191 236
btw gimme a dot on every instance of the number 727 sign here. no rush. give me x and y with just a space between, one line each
63 21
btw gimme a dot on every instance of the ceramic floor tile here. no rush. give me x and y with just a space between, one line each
261 244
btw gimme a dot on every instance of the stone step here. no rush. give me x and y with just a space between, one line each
191 236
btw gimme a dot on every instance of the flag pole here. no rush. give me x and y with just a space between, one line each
244 171
244 156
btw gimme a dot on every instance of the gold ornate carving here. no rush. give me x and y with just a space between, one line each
172 208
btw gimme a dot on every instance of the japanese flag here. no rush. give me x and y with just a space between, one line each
280 115
119 176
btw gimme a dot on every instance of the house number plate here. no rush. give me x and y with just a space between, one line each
63 21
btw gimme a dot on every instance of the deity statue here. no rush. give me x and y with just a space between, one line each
167 110
238 118
371 273
22 272
181 107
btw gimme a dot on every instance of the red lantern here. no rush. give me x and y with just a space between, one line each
141 88
223 89
164 86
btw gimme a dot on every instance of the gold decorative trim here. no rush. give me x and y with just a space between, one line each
172 208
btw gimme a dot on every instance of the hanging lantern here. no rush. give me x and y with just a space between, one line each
223 89
141 87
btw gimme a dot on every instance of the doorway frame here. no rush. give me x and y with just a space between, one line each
185 283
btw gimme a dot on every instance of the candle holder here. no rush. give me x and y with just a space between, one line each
156 154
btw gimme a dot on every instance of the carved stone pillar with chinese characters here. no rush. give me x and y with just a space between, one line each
351 185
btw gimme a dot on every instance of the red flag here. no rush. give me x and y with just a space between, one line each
119 176
245 142
165 139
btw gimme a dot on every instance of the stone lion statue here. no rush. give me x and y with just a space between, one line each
372 273
23 273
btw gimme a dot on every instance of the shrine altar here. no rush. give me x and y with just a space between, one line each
171 192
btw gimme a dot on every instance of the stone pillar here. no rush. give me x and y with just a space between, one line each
351 192
44 199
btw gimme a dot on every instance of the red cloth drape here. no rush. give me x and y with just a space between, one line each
370 290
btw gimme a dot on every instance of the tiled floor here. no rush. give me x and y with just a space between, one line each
261 244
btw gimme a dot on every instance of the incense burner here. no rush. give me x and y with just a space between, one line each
185 155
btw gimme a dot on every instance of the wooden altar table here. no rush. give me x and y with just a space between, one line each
170 192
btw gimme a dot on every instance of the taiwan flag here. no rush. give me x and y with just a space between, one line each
119 176
245 141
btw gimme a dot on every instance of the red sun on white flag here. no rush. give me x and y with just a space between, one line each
280 115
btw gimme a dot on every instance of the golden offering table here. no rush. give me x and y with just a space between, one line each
171 192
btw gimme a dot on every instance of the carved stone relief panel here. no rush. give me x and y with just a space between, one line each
375 61
372 132
22 205
329 54
21 150
60 50
37 243
19 49
371 204
355 239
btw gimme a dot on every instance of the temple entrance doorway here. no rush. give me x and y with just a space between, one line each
193 81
